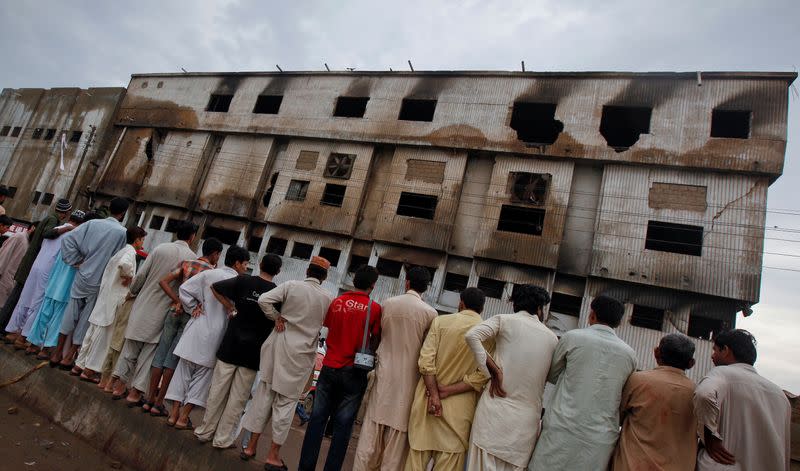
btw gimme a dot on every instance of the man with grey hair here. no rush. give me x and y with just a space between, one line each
658 421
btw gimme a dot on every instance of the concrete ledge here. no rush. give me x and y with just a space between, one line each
129 436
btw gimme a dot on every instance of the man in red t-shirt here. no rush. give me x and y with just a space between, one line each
341 386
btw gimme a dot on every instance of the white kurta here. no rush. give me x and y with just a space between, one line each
523 350
287 358
203 334
751 416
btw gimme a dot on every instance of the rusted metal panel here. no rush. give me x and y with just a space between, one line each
425 170
677 196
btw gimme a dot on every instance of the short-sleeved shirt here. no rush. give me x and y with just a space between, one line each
345 321
241 344
190 268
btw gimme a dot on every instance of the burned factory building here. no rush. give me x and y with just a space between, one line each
651 187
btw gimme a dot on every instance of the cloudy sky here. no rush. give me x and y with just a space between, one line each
80 43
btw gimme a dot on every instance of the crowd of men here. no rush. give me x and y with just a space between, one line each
447 392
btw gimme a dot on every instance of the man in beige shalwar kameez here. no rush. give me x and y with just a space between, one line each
287 357
405 320
744 419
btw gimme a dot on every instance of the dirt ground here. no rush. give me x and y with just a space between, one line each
29 441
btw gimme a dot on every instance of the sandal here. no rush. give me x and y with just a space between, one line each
146 406
115 397
272 467
245 457
188 426
157 411
89 379
132 404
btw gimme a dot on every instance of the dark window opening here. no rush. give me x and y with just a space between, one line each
704 327
156 222
416 205
49 134
76 136
622 125
732 124
339 165
302 251
12 191
219 103
226 236
675 238
148 149
268 104
647 317
566 304
491 288
277 246
36 196
417 110
268 194
331 255
455 282
47 198
15 132
333 195
521 220
529 188
5 130
350 106
173 225
297 190
254 243
389 268
535 122
37 133
356 262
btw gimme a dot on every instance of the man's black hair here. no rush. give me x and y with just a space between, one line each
741 342
316 271
473 299
271 264
418 279
677 351
236 254
529 298
134 233
365 277
211 245
608 310
6 221
4 191
186 229
118 206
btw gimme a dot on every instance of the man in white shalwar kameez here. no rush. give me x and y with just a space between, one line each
519 366
287 356
117 277
744 420
589 368
197 348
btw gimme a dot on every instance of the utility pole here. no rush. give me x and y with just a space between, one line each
88 143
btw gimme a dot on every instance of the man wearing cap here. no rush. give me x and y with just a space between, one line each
88 248
287 356
45 229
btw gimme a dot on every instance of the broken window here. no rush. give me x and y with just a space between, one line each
5 130
416 205
268 104
455 282
306 160
535 123
730 123
47 198
647 317
36 196
156 222
704 327
622 125
277 246
12 190
331 255
491 288
389 268
521 220
339 165
49 134
37 133
76 136
226 236
333 195
297 190
566 304
254 243
350 106
529 188
302 251
268 194
173 224
417 110
356 262
675 238
15 132
219 103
